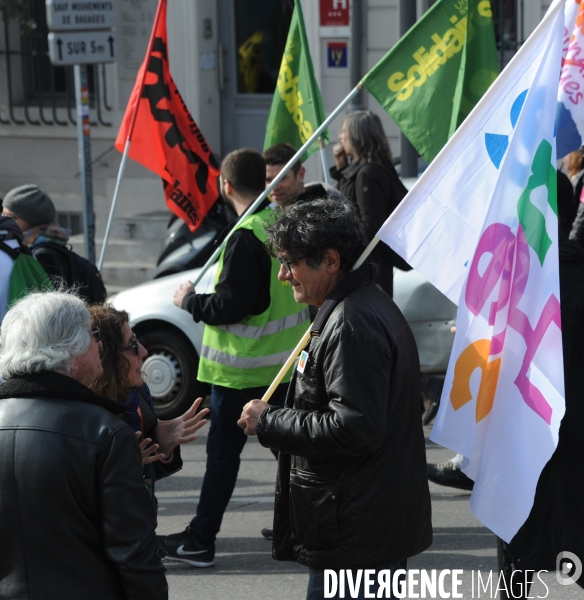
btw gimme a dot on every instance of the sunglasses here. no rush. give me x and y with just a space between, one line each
134 345
289 263
96 334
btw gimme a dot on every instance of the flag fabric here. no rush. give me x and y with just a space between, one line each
166 139
570 110
481 225
433 77
297 109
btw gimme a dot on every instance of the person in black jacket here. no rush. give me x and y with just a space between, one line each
370 182
76 520
351 491
555 524
122 380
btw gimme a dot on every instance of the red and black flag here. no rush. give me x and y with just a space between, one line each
165 138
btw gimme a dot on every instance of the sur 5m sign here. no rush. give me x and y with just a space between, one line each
81 32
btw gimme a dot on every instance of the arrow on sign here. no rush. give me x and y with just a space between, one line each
59 43
110 39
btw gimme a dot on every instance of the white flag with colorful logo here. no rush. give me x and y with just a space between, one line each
570 109
481 225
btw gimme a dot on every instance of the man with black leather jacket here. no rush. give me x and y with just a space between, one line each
76 520
351 491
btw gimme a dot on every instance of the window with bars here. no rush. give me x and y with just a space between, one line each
36 92
71 221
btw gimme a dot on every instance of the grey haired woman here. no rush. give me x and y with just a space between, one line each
366 176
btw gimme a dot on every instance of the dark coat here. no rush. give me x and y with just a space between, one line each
568 202
76 520
556 521
577 232
146 421
55 263
376 190
352 489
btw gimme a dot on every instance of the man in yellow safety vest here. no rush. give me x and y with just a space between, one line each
252 324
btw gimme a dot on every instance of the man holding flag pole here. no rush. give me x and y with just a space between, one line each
251 324
497 257
351 491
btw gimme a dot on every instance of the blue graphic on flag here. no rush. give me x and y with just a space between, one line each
496 147
496 143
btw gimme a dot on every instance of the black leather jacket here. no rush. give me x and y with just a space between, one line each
76 520
352 489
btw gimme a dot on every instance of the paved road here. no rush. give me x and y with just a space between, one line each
245 570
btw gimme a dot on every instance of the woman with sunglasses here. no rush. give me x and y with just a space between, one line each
122 380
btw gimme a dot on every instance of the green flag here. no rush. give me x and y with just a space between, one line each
297 109
433 77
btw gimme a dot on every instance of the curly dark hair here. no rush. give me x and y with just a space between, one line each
113 382
308 229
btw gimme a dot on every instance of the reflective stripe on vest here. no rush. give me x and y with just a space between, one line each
250 353
255 333
240 362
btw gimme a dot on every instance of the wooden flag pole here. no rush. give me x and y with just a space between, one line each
286 366
122 168
304 340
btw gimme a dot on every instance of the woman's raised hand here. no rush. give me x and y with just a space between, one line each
340 155
181 430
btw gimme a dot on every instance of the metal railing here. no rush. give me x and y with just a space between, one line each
38 93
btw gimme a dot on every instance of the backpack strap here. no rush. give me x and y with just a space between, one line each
14 253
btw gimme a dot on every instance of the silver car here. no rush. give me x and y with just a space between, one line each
173 339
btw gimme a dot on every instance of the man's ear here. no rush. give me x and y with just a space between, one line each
227 187
332 261
301 174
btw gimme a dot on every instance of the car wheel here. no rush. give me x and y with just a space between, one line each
171 372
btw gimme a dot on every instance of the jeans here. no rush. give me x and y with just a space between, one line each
225 442
315 590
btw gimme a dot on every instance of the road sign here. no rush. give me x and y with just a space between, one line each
82 48
79 14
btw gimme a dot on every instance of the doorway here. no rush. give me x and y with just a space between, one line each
252 37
